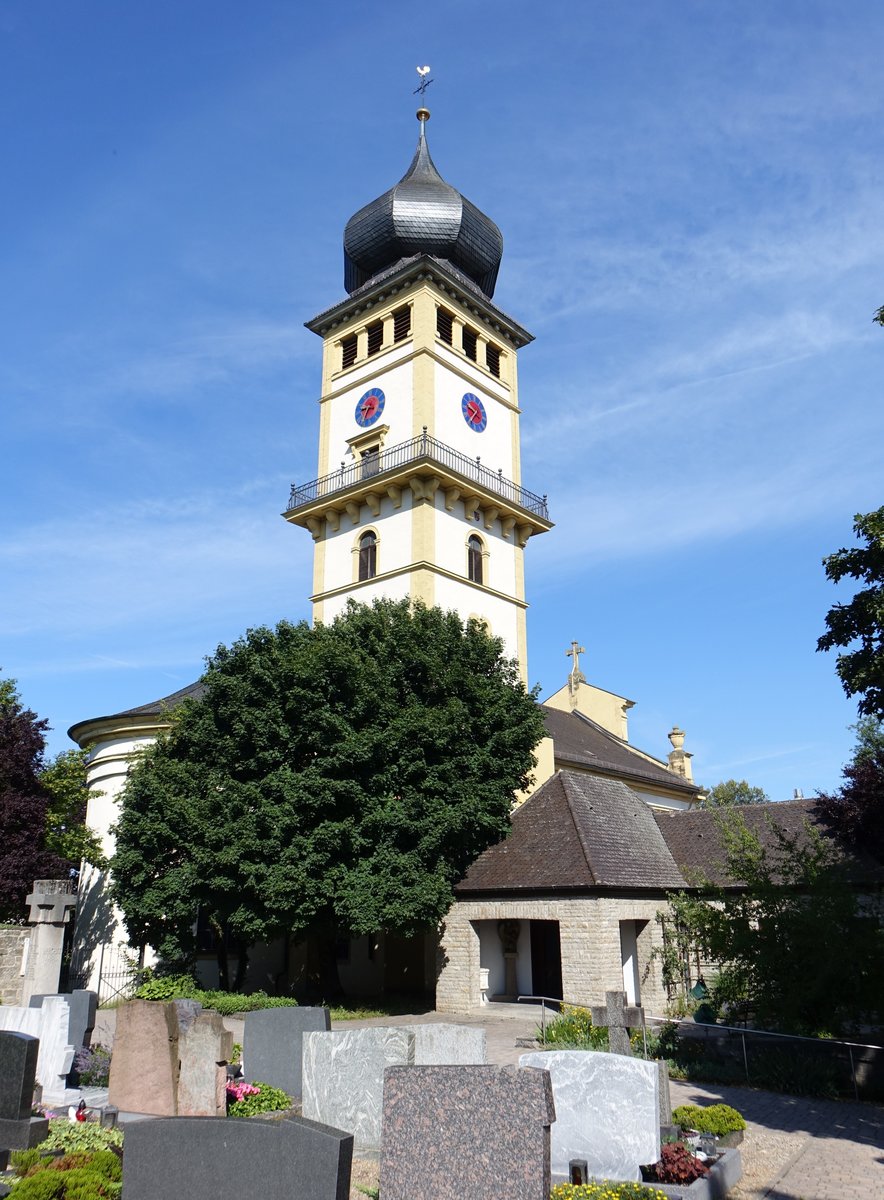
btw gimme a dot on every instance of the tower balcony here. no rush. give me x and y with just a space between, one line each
424 464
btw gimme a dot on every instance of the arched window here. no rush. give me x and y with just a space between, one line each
474 559
368 555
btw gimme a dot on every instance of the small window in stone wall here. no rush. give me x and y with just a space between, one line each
444 326
492 359
469 342
401 323
474 559
375 337
348 352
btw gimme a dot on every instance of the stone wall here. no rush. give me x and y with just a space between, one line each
12 944
589 931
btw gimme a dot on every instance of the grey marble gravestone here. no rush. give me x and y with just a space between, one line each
480 1132
344 1071
49 1024
292 1159
18 1069
272 1044
607 1111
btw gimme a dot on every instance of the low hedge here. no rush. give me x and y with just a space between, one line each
718 1119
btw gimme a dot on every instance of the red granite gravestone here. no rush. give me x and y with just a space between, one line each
144 1067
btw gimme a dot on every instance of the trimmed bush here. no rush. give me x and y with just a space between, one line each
182 987
718 1119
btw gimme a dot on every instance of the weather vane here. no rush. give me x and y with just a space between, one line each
424 83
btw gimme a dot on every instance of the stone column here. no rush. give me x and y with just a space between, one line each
52 904
508 932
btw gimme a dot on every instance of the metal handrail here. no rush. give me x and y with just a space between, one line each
400 455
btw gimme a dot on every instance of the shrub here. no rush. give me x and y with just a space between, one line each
167 987
609 1190
677 1165
79 1176
714 1118
573 1027
252 1099
79 1135
92 1064
22 1160
182 987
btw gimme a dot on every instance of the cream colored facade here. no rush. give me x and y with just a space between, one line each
419 477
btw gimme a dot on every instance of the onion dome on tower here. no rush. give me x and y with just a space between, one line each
422 214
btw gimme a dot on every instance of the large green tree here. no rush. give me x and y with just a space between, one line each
333 780
858 627
731 793
856 810
793 943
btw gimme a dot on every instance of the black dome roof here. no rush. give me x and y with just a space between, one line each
422 214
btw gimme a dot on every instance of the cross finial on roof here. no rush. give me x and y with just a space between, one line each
576 676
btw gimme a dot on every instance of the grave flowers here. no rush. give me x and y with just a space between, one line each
255 1099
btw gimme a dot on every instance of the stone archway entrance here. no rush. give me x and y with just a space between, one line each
546 959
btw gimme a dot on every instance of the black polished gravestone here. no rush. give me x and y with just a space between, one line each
18 1068
208 1157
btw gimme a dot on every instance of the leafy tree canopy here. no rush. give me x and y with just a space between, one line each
794 947
67 836
343 776
731 793
24 856
856 811
860 624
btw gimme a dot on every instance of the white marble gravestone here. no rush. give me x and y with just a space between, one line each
343 1071
607 1111
49 1023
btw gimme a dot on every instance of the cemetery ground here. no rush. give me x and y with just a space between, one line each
795 1148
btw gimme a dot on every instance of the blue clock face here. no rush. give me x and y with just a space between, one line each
369 407
474 412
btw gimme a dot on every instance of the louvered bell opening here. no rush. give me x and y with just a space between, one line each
375 337
401 323
469 342
492 360
348 352
444 325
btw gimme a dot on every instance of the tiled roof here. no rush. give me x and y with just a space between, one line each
577 832
695 840
580 742
156 708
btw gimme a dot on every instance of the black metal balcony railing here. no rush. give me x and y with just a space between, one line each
395 457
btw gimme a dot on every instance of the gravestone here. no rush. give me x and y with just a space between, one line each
187 1012
619 1017
344 1071
451 1045
607 1111
49 1024
144 1067
83 1008
344 1079
204 1051
18 1071
273 1044
292 1159
479 1132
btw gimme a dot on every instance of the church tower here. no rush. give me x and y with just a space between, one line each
418 491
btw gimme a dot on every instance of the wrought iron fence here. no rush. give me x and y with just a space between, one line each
400 455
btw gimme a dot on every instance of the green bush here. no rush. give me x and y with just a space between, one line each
714 1118
79 1176
609 1190
268 1099
79 1135
22 1160
182 987
573 1029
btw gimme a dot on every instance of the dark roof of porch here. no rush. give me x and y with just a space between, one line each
577 831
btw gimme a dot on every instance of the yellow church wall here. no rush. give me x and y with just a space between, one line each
605 708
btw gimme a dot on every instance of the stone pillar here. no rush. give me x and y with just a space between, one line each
52 904
679 758
508 932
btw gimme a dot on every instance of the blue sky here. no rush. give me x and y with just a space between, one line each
690 196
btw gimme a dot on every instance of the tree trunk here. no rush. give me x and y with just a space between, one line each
322 980
221 954
242 966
